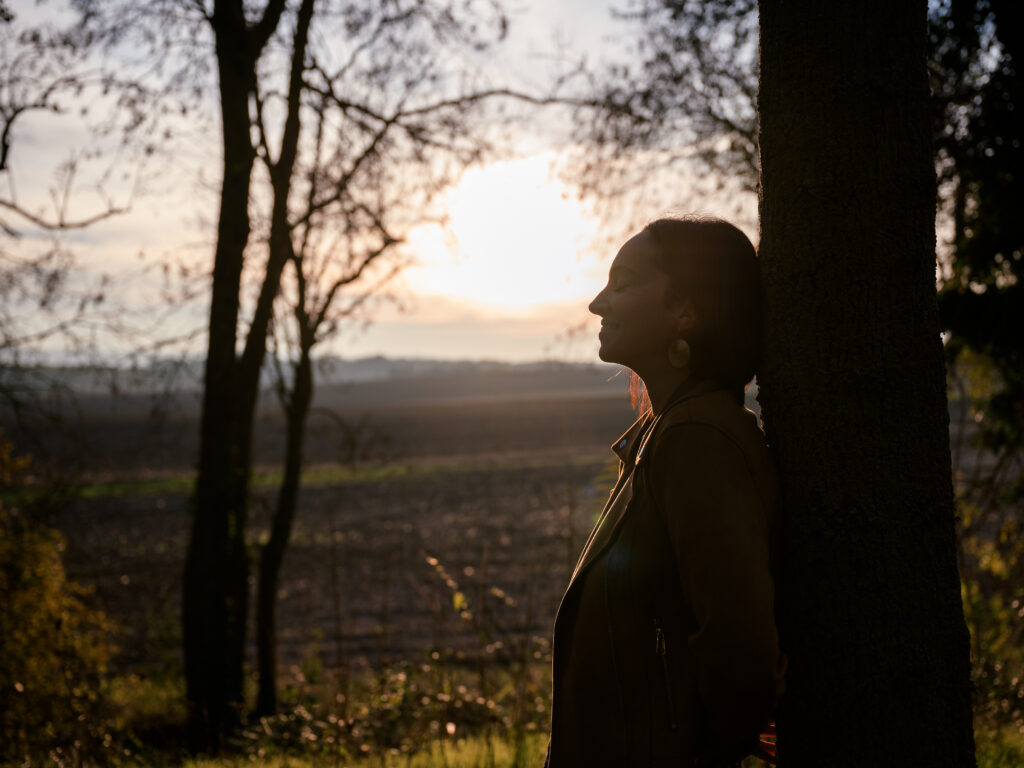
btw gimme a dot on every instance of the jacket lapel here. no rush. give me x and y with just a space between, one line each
608 525
614 508
630 454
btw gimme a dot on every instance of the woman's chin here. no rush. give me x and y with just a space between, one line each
608 354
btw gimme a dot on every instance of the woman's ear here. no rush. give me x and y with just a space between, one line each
685 317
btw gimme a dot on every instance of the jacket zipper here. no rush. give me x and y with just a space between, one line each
662 652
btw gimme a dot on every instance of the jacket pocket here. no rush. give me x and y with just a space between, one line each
661 650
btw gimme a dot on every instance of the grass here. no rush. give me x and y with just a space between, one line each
326 475
150 707
996 749
153 710
471 752
405 715
999 747
322 475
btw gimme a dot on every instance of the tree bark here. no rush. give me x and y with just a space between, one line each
273 551
853 391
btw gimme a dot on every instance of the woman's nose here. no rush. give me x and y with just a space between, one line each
598 305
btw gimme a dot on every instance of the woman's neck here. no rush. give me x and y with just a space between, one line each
661 387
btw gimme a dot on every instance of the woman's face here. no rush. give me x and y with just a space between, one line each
638 318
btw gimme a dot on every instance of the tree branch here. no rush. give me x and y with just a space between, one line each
61 223
341 186
260 33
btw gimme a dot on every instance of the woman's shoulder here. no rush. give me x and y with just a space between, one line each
712 422
713 440
716 409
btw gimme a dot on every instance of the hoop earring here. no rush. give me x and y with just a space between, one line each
679 354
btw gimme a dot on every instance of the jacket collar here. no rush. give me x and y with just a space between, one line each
626 446
632 444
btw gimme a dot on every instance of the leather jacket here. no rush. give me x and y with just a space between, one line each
665 650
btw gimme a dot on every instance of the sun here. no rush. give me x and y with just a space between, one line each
518 239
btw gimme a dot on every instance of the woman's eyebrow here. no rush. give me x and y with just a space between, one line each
618 269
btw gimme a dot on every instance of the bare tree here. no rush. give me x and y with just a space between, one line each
675 120
335 243
334 117
47 299
370 168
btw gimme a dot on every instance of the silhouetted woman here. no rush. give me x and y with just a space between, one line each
665 649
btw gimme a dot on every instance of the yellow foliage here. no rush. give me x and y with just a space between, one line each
54 649
12 468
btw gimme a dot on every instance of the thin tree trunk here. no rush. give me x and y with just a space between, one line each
252 364
853 391
273 551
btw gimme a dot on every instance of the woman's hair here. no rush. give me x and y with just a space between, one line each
712 263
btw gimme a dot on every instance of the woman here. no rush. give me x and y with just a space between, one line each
665 649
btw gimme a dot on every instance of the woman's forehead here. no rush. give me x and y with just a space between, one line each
639 253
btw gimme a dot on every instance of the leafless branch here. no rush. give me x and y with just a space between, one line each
369 40
342 184
61 223
261 130
350 278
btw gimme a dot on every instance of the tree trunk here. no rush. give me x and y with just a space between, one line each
281 529
853 392
216 588
212 684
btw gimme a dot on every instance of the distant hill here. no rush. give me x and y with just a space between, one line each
124 422
416 377
378 381
173 387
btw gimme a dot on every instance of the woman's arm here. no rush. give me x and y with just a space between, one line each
719 528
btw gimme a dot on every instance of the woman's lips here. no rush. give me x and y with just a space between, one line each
606 327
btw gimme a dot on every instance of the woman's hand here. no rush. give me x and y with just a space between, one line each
763 748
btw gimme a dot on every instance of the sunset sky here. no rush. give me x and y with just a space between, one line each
521 259
512 275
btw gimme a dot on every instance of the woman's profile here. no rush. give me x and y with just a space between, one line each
665 649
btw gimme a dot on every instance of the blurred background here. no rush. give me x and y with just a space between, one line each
294 346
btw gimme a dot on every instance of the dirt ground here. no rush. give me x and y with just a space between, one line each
495 505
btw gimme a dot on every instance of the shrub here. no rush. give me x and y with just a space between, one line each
54 649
